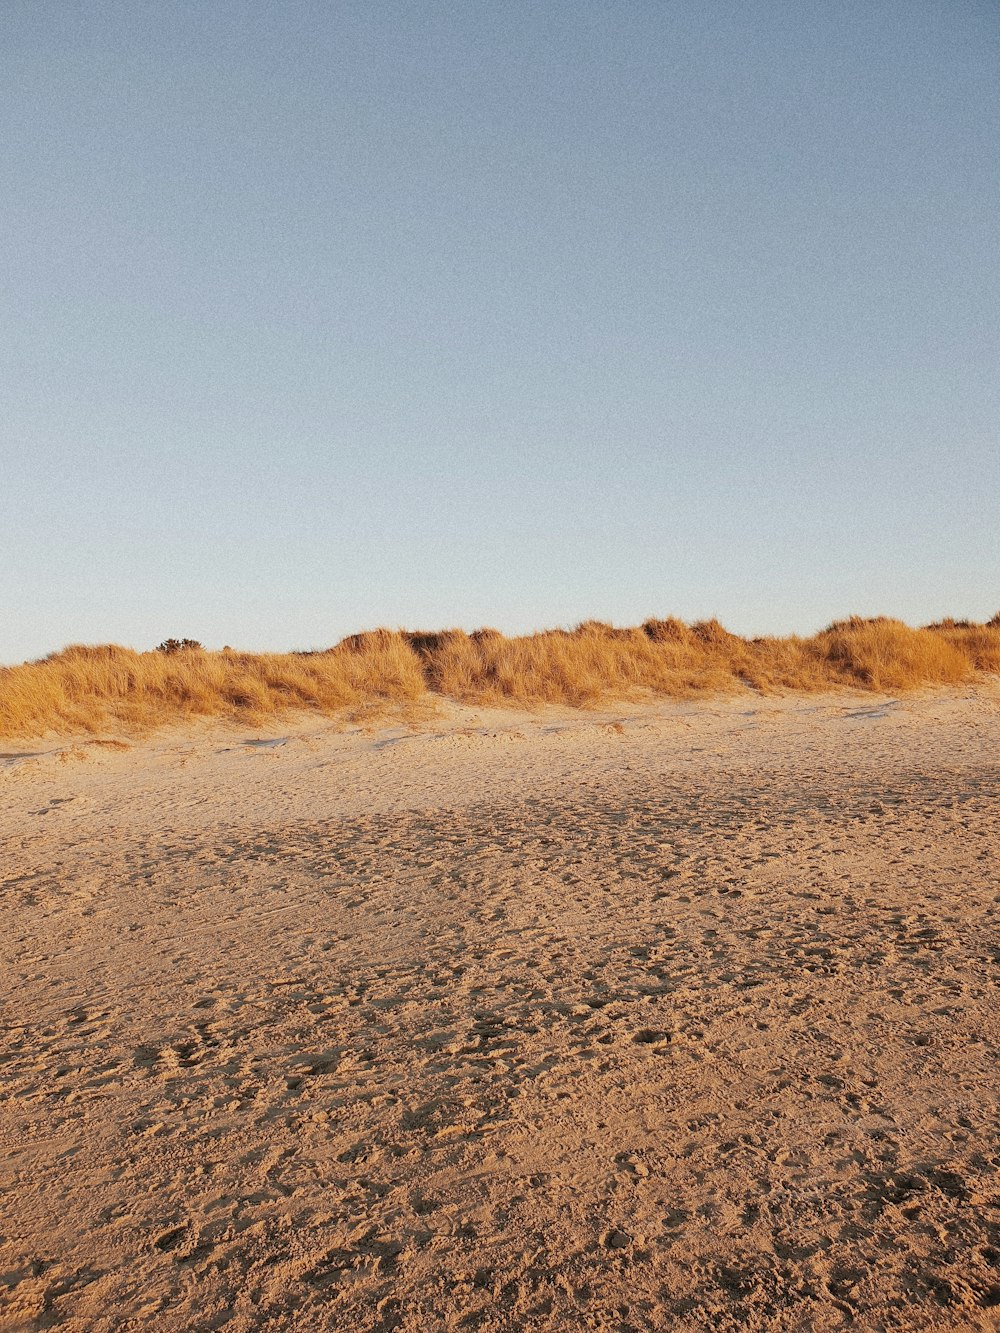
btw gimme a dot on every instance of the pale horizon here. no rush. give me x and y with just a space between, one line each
320 318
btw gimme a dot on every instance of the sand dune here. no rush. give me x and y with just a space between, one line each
676 1016
87 690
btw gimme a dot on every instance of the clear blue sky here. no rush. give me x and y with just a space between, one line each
318 316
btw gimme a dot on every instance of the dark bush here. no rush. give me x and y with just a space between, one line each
177 645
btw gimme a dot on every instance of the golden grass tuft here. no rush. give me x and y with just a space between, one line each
884 654
91 690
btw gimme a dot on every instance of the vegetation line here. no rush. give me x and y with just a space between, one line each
91 689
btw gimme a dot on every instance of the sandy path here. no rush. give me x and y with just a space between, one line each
668 1017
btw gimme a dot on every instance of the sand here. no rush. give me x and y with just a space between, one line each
661 1017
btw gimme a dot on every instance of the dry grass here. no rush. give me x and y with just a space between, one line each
94 689
97 689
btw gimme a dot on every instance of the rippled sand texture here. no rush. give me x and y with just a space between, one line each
680 1017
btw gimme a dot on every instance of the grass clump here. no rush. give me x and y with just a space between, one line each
884 654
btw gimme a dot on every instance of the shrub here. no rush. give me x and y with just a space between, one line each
177 645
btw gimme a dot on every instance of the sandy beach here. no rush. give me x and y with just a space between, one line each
660 1016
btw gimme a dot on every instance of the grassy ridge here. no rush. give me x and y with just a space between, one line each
90 689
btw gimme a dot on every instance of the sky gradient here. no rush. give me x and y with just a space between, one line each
318 316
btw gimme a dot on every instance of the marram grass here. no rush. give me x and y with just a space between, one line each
93 689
